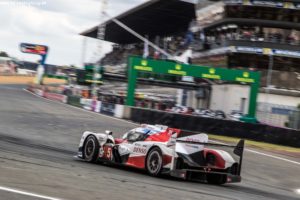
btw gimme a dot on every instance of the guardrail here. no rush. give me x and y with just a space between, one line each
257 132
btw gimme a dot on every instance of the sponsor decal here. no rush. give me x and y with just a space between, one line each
189 139
192 146
212 74
233 2
267 3
140 150
245 78
181 73
108 108
177 71
286 53
34 49
249 50
141 68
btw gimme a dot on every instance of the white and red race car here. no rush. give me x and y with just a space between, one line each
163 150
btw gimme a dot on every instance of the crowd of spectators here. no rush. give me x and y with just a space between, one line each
262 13
219 35
173 45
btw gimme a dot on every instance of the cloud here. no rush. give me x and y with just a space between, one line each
55 23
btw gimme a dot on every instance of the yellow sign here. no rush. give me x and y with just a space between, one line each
245 80
246 75
143 68
212 71
267 51
144 63
178 67
212 74
175 72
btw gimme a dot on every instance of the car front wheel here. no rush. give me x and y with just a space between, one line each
91 149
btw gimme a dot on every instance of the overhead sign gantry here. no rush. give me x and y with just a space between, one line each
138 64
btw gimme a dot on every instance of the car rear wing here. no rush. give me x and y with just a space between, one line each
238 149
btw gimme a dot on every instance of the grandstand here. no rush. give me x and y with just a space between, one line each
247 34
164 23
258 35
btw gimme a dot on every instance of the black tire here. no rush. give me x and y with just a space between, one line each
216 179
154 162
91 149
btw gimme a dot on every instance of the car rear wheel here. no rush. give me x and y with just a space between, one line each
216 179
91 149
154 162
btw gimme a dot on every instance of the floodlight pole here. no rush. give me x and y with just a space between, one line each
83 53
100 35
270 70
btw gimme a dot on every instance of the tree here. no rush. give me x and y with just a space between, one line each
3 54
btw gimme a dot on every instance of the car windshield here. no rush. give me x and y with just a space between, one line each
135 135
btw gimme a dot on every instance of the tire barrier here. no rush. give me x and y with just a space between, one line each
257 132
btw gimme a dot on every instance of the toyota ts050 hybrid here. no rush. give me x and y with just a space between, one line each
163 150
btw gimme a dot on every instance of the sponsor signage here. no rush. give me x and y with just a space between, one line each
267 51
143 66
288 53
249 49
245 78
177 71
137 64
276 4
211 74
108 108
34 49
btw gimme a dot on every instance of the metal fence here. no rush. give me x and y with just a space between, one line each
279 115
294 120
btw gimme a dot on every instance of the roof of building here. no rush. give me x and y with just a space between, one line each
153 18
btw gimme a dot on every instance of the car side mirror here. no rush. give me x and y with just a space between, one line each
107 132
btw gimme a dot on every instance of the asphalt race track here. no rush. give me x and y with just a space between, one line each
38 139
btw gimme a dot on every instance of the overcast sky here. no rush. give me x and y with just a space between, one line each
56 23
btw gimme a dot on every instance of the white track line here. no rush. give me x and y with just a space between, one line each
252 151
11 190
272 156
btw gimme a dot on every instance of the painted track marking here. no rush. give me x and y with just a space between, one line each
272 156
11 190
249 150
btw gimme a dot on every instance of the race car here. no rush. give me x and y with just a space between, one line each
162 150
